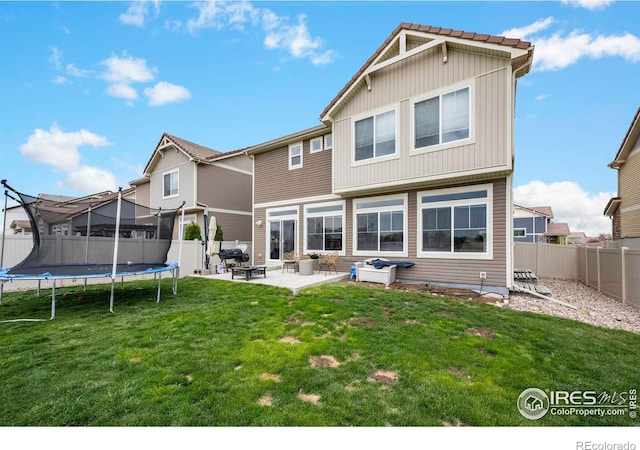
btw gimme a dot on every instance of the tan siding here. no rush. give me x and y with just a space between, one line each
172 160
274 181
224 189
234 226
142 194
394 86
259 236
241 162
629 185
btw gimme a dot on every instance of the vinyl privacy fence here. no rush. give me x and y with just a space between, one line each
612 271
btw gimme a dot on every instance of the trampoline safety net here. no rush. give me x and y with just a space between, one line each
77 237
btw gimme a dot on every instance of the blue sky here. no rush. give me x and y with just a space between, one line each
88 88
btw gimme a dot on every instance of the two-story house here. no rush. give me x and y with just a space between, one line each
530 223
209 182
624 209
413 161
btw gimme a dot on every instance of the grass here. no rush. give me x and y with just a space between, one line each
213 356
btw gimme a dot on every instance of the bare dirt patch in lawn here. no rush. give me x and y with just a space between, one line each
446 314
289 340
314 399
486 352
384 377
270 376
265 400
481 332
324 361
458 371
411 322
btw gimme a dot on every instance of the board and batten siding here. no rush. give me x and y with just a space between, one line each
275 182
629 192
173 160
422 74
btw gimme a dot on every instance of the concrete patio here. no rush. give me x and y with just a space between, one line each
287 279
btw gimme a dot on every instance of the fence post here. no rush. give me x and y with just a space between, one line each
623 274
536 271
586 264
598 265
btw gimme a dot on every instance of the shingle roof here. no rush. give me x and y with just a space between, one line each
486 38
634 128
558 229
192 149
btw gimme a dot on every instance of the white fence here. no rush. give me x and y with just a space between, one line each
612 271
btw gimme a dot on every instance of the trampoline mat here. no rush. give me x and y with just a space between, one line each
84 270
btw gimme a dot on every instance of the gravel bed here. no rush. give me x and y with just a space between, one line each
592 307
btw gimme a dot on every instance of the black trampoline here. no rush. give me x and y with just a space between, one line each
106 236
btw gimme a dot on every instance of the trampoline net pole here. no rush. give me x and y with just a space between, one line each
53 300
4 227
115 248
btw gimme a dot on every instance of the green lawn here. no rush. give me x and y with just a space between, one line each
234 354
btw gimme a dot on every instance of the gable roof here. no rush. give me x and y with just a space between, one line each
633 133
558 229
190 149
430 35
542 210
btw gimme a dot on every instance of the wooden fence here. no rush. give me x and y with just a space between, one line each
612 271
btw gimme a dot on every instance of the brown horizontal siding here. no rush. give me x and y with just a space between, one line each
234 226
275 182
224 189
629 186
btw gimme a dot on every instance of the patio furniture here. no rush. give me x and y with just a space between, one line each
366 272
249 271
305 267
328 262
290 259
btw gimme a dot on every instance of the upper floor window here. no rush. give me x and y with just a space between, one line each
442 119
295 156
375 136
170 184
315 145
328 141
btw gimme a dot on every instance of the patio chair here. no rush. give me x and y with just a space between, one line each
328 262
289 259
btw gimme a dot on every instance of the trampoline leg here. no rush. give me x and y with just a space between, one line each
159 283
1 289
53 300
85 285
113 285
175 282
38 289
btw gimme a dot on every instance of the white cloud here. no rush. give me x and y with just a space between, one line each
60 80
280 34
163 93
127 69
589 4
56 57
60 150
137 12
122 90
89 179
76 71
559 49
542 97
570 203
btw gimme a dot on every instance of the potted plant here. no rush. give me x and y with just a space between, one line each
314 255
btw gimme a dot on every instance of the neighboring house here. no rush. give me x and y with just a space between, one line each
413 162
624 209
209 182
577 237
21 227
530 223
557 233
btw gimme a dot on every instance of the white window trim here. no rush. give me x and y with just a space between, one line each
488 255
318 139
327 146
291 146
294 216
375 159
404 208
325 214
439 93
169 172
523 229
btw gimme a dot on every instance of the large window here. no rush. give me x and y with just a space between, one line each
324 227
380 226
442 119
455 222
375 136
170 184
295 156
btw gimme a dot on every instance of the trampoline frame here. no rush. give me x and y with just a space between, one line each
174 268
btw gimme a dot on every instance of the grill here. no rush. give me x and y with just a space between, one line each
236 254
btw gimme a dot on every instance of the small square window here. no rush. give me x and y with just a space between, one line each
315 145
328 141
